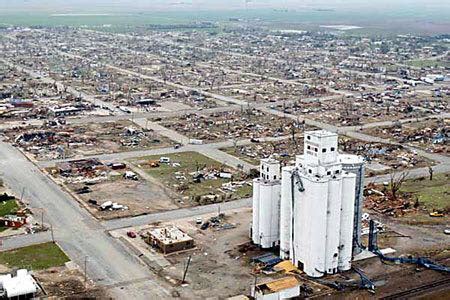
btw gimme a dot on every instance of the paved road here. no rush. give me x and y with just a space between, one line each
19 241
77 232
161 130
393 122
176 214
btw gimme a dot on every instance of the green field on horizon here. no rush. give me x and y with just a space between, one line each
396 21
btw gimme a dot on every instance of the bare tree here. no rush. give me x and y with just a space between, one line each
396 183
235 142
293 133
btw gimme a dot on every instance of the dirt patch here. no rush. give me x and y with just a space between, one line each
61 282
138 196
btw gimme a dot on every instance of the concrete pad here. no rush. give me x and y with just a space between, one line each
377 167
366 254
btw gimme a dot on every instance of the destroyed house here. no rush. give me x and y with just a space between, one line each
80 166
11 221
169 239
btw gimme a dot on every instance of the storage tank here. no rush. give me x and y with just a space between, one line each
285 212
255 219
346 221
269 210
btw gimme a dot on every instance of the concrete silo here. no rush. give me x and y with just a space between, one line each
266 204
322 197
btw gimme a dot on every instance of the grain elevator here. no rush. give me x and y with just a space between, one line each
317 201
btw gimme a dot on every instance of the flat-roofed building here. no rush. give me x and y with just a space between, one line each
169 239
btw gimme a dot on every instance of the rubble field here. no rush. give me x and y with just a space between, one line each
59 141
129 90
432 135
354 111
23 97
284 150
93 78
112 190
380 158
232 125
206 77
197 179
274 91
15 83
298 71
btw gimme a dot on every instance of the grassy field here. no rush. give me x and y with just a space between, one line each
37 257
8 208
424 63
189 162
380 22
434 195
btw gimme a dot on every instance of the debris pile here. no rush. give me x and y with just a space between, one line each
217 223
383 202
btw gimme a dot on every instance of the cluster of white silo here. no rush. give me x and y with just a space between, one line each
314 207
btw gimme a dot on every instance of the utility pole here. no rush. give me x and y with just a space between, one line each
255 282
23 193
186 269
42 219
85 272
53 236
